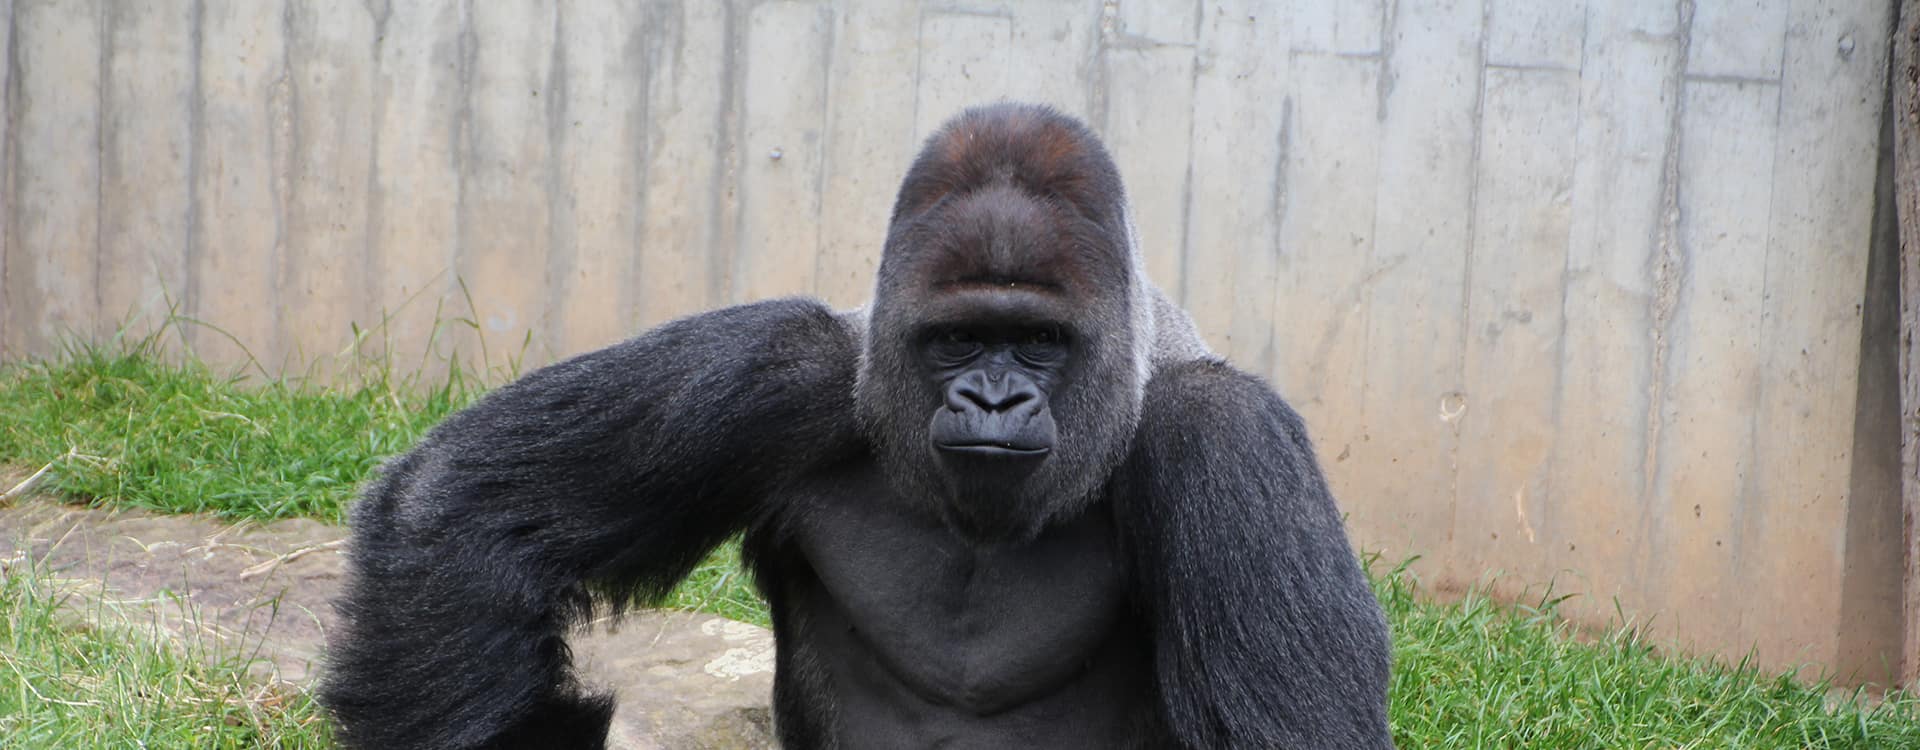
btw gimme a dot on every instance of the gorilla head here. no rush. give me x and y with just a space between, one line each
1007 342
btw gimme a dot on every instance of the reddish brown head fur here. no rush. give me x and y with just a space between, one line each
1030 147
1011 194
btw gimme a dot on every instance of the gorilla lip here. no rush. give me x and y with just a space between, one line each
989 450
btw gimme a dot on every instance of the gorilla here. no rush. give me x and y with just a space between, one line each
1015 502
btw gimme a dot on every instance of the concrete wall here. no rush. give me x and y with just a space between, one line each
1572 290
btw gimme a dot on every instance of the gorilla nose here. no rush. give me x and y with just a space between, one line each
991 394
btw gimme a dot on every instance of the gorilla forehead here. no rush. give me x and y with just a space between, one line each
1003 236
1014 195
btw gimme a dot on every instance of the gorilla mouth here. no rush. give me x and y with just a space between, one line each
994 450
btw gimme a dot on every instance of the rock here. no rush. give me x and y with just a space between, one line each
684 680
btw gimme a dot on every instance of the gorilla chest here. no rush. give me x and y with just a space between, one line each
976 627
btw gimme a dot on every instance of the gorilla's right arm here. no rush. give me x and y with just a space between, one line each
604 477
1266 633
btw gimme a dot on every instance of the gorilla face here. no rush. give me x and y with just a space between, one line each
995 426
999 380
992 435
996 380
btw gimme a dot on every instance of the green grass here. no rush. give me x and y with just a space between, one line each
107 681
123 425
1477 674
1470 674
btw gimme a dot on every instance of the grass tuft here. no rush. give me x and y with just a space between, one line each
721 585
105 681
1474 673
123 425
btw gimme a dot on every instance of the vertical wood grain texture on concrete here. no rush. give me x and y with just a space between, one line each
413 183
322 283
1536 36
1423 219
1341 29
869 138
1727 125
1707 446
1326 250
598 125
1054 53
1513 303
1175 23
146 142
504 210
782 147
55 186
1582 291
1835 70
1240 106
239 187
964 59
1149 72
1738 40
1149 114
688 188
1530 99
1629 78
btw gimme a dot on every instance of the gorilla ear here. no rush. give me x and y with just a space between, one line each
1045 153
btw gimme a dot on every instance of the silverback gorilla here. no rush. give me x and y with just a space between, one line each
1014 503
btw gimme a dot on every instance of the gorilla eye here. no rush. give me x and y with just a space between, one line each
954 345
1041 346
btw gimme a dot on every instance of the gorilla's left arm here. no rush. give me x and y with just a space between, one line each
1265 631
613 472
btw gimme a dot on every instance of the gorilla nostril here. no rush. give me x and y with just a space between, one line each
966 396
1001 401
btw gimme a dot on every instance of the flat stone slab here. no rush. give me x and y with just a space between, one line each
684 680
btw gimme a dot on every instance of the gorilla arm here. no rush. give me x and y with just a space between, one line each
612 473
1265 631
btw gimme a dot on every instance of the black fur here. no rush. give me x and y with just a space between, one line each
1265 632
613 473
1172 572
